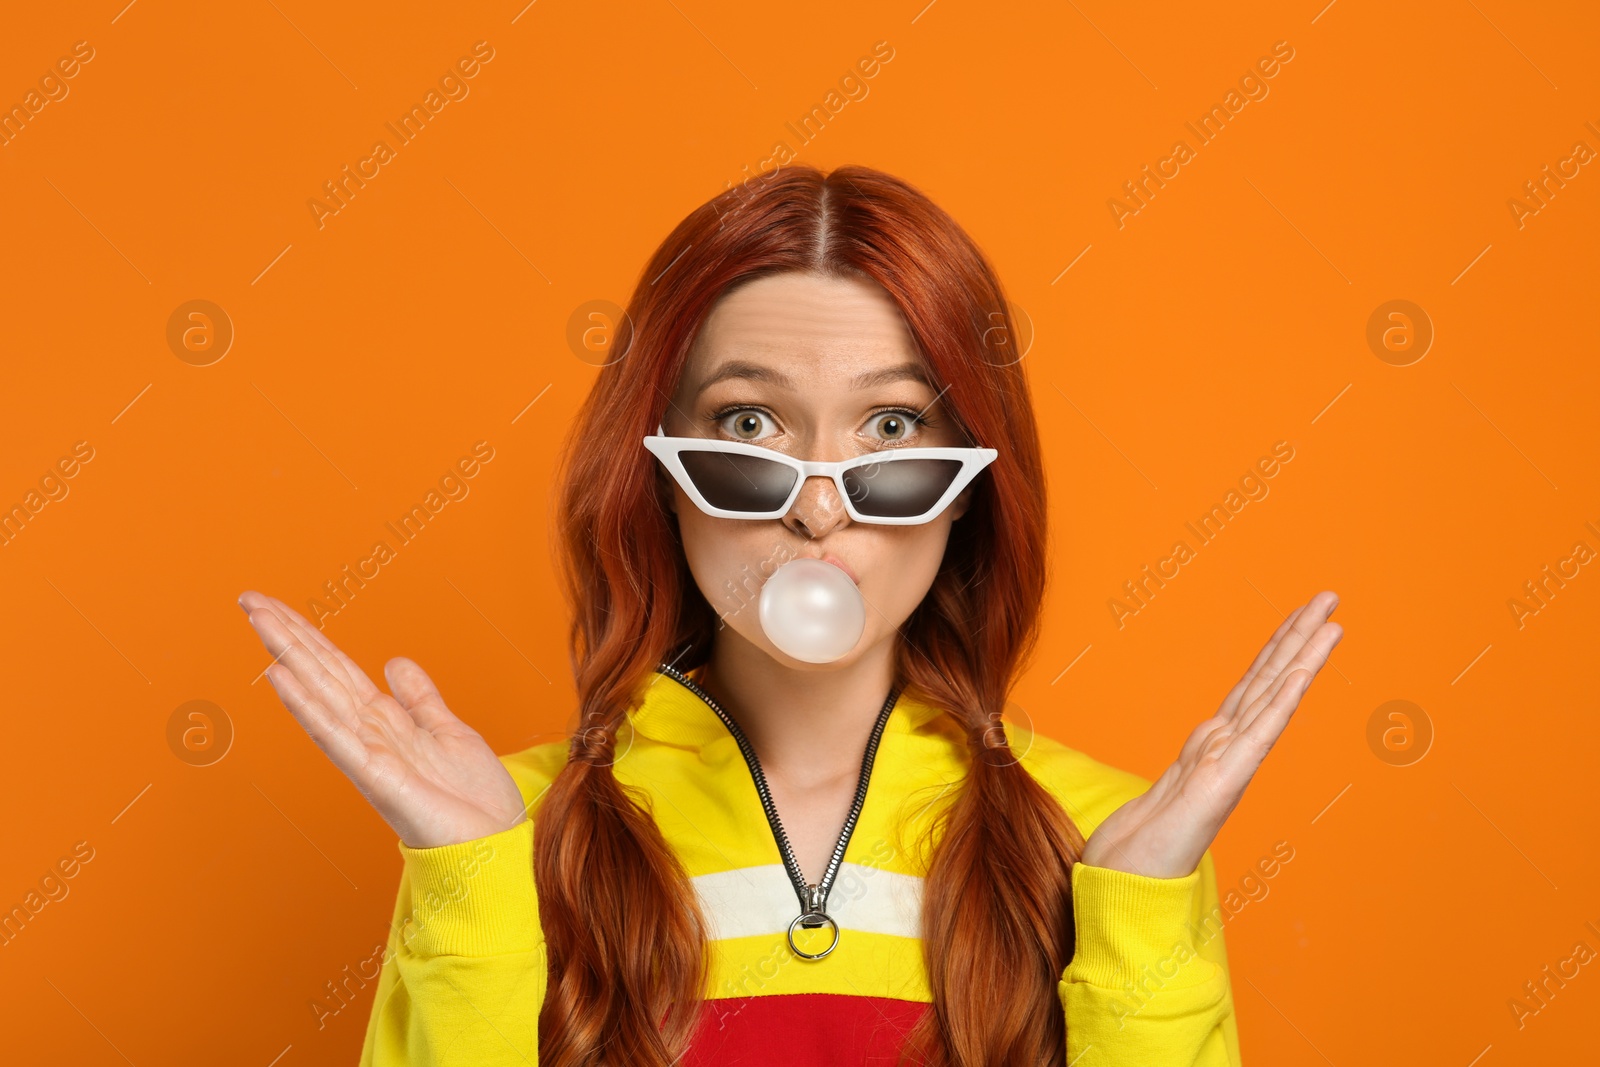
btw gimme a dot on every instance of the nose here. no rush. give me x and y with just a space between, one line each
818 509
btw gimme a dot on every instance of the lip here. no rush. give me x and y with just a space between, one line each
842 565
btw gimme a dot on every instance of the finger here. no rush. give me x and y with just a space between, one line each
1244 756
1311 658
1272 668
1198 737
292 623
1227 712
1315 613
257 605
365 687
337 663
309 671
417 694
337 741
1231 702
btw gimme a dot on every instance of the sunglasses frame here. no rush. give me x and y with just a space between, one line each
667 449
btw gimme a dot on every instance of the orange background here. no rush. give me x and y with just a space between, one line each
1228 314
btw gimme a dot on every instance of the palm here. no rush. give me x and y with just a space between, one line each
1164 832
431 777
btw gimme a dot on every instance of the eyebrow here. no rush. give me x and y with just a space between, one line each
754 372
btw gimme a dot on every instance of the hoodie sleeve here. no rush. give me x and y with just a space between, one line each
463 974
1148 982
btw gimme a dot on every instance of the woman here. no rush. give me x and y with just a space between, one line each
741 856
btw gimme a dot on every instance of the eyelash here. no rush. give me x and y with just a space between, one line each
920 421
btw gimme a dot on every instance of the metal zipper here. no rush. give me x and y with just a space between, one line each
813 898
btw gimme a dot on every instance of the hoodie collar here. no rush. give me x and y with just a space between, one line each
665 710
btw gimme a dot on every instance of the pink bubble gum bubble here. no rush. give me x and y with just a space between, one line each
812 611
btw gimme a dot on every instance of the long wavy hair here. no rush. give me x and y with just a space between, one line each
628 958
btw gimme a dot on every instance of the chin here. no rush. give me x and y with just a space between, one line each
810 668
869 640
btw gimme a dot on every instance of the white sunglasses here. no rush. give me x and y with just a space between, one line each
738 480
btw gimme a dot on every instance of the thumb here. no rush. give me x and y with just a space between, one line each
416 692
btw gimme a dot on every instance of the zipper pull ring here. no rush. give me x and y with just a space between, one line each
812 918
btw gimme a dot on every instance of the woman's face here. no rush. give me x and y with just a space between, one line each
820 369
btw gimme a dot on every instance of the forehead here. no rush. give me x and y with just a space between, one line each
803 322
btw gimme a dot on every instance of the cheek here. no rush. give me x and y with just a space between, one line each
897 574
730 559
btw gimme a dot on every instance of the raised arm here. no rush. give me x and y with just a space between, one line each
464 966
1148 984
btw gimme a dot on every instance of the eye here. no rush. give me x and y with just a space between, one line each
897 424
744 423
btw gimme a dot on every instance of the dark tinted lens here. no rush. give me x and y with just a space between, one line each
900 488
739 483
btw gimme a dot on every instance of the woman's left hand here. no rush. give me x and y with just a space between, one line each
1164 832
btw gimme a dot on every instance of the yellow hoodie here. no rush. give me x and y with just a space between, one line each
464 970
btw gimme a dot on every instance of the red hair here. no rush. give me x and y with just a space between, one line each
627 951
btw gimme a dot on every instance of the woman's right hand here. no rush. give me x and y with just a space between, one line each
430 775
